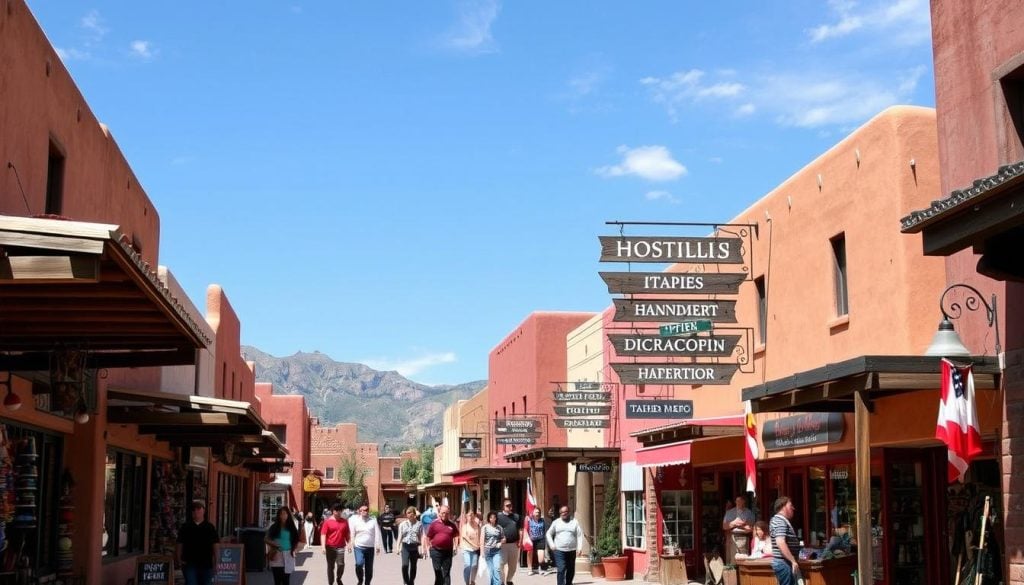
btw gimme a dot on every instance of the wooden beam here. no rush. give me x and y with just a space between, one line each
862 457
40 361
47 242
118 415
976 223
49 269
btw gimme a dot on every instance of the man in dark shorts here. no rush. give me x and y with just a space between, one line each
534 530
194 551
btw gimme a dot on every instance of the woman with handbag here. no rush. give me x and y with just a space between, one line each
282 542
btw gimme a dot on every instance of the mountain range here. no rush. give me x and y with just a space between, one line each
390 410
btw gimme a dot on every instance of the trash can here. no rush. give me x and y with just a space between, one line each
251 538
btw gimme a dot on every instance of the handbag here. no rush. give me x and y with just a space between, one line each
483 571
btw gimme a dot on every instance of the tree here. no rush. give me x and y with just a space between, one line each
419 470
353 474
609 541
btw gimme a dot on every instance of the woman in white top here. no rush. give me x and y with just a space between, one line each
492 537
469 541
762 544
410 533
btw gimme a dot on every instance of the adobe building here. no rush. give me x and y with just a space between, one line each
974 220
328 447
90 324
289 419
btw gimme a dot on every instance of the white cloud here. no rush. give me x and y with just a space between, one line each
688 87
653 163
661 195
745 110
142 49
411 366
473 31
905 22
586 83
94 25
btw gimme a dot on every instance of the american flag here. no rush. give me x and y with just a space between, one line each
957 425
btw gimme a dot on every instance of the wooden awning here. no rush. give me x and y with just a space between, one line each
568 454
233 430
831 388
690 429
83 285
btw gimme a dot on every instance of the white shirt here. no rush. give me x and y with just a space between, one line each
564 536
365 533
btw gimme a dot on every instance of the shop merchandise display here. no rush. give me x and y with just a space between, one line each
168 506
65 525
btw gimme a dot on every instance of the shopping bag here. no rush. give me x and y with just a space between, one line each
289 563
527 545
483 571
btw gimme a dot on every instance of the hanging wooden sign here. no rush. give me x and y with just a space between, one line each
656 345
667 311
583 410
673 283
582 396
675 374
513 426
659 408
582 423
816 428
516 440
671 250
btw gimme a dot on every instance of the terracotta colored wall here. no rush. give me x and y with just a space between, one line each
329 445
524 364
289 410
234 378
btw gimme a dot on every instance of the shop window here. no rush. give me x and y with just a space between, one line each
329 473
270 503
167 510
677 520
635 520
839 275
1013 92
762 310
35 469
55 180
124 503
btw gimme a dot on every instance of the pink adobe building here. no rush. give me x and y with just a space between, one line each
328 446
976 216
289 419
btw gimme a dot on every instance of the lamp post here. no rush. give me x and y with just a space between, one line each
946 342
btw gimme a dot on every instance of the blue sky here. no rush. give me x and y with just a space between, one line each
402 183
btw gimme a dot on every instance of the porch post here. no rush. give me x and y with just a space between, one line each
862 454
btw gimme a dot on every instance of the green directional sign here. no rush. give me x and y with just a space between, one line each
684 328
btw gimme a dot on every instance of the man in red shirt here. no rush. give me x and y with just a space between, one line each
335 535
441 539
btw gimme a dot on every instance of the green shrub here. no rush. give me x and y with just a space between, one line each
609 541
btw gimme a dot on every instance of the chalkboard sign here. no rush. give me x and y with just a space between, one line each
230 564
154 570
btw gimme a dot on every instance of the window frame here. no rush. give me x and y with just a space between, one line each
840 275
635 519
762 309
329 473
127 506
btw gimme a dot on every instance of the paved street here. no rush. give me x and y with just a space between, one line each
312 570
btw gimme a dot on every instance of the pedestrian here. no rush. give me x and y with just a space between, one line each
785 541
509 522
534 530
738 524
365 542
440 540
194 551
335 535
283 540
310 527
428 516
564 539
492 539
469 536
387 528
410 533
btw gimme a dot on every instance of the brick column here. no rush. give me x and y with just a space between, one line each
651 512
1011 447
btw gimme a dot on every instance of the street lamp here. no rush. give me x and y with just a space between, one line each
946 342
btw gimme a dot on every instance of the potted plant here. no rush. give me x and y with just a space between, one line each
609 541
596 568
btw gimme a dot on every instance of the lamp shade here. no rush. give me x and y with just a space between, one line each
946 342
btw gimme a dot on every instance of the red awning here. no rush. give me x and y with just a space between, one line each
662 455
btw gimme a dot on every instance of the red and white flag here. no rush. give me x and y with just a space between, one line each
957 426
531 502
751 451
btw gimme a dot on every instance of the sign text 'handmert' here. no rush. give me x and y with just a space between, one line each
671 250
582 396
679 374
582 423
672 283
656 345
660 311
659 409
515 440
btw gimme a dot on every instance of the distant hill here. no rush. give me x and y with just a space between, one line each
387 406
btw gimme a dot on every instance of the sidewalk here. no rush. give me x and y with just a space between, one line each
311 569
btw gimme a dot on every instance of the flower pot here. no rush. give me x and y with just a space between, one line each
614 568
596 569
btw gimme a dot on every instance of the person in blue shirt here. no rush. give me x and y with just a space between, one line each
428 516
